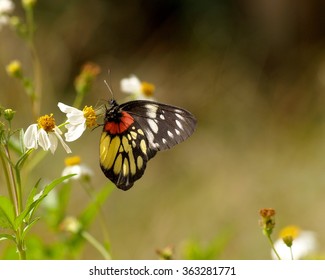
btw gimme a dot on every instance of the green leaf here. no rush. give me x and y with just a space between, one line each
29 226
34 203
20 164
22 159
93 207
15 143
194 250
4 236
7 214
30 199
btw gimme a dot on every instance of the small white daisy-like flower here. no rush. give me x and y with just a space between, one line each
6 7
77 120
303 243
74 166
44 133
139 89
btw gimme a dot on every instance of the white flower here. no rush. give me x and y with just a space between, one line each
304 243
77 120
73 166
44 133
140 90
6 6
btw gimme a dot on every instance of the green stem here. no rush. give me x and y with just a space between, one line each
6 173
291 253
37 82
36 95
16 192
101 249
272 246
78 100
20 245
90 191
15 196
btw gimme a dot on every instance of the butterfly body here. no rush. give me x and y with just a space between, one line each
134 132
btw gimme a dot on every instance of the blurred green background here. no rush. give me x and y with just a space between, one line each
252 72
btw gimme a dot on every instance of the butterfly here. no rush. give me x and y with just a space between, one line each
133 132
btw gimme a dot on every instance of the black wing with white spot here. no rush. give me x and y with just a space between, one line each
164 125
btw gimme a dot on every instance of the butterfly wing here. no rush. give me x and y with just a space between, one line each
164 125
123 157
133 133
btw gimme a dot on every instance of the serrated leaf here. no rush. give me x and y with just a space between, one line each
7 214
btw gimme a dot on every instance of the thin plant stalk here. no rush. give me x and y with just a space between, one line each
273 248
101 249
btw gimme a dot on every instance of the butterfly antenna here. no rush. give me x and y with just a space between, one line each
109 88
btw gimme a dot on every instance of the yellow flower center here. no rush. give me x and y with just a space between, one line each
147 88
46 122
90 116
290 231
70 161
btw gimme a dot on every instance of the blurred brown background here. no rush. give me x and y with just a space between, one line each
253 73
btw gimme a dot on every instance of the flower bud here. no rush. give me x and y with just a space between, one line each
267 222
9 114
71 224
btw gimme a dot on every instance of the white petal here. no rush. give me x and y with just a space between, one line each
30 137
68 170
80 171
74 116
74 132
57 132
53 141
67 109
43 139
131 85
302 246
74 169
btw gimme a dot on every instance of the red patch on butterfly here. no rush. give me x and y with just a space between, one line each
119 127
